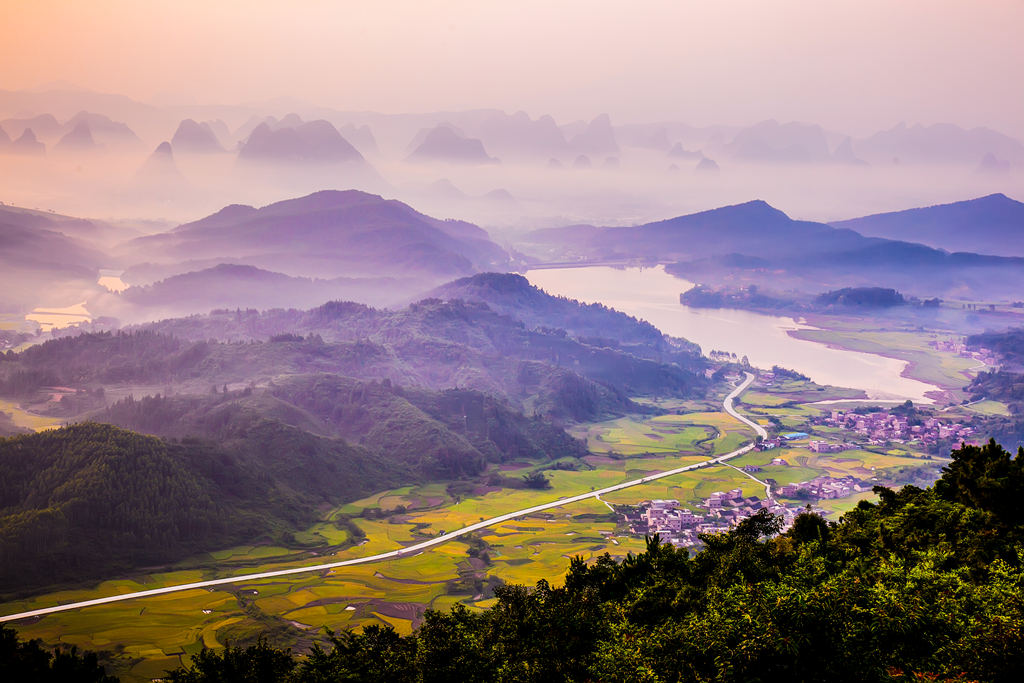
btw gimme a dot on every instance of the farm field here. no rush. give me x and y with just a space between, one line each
146 636
703 433
989 407
23 418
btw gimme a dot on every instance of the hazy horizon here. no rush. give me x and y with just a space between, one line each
856 67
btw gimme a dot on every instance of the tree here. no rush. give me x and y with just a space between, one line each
986 477
28 661
536 480
258 663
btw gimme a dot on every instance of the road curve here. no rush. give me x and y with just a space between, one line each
413 549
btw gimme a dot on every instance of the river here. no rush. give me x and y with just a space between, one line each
653 295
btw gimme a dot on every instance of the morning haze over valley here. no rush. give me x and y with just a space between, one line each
455 341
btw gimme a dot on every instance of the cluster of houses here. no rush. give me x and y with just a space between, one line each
882 427
829 446
779 440
681 526
959 347
823 488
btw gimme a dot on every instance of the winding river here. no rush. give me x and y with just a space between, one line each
653 295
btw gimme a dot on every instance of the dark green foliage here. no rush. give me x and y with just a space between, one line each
71 498
786 373
90 499
376 654
102 357
28 662
1009 344
987 478
258 663
536 480
1000 385
428 434
866 297
926 584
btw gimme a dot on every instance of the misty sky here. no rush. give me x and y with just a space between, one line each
852 65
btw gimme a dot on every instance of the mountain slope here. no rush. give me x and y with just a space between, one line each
194 137
91 499
761 245
753 227
236 286
445 144
41 265
987 225
595 324
331 234
311 142
941 143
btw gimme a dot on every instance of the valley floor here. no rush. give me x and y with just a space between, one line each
146 636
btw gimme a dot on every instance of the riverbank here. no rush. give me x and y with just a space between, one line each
765 340
947 372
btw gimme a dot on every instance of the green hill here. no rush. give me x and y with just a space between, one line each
90 499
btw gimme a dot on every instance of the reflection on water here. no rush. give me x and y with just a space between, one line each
49 318
653 295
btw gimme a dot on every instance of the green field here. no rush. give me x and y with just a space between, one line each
147 636
143 637
783 391
945 370
989 408
703 433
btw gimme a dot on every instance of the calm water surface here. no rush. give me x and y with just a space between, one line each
653 295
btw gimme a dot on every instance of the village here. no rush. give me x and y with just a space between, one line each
959 347
722 510
883 427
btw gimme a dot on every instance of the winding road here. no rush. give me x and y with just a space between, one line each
727 404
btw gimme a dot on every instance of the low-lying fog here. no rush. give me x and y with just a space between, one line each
505 198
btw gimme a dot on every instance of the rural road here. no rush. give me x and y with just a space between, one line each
418 547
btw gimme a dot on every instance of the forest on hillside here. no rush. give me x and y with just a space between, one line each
248 425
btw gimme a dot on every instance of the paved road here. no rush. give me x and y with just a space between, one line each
413 549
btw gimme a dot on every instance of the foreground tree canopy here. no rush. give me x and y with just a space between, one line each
925 584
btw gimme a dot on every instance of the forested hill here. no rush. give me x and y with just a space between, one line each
424 434
1006 383
513 295
924 585
90 499
432 344
265 419
1008 344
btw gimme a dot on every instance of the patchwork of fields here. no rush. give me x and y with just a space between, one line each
143 637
